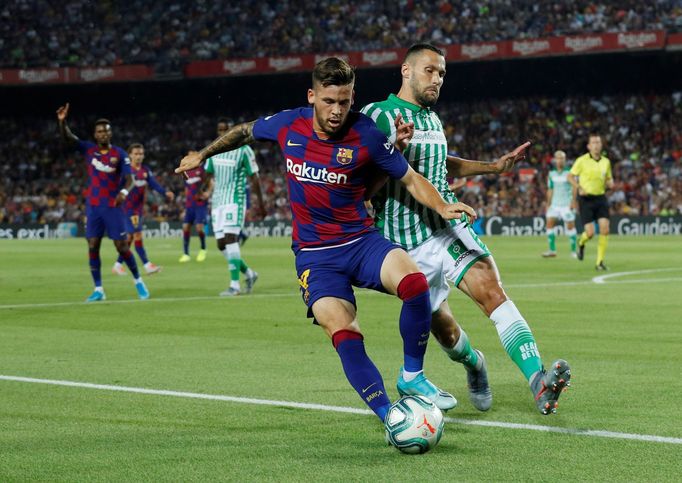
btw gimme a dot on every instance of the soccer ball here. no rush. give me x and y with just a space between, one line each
414 424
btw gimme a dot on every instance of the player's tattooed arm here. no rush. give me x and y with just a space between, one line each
64 130
234 138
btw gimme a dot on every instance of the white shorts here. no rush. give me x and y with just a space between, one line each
565 214
445 257
227 220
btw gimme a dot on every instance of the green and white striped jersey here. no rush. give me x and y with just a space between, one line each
562 194
229 171
402 219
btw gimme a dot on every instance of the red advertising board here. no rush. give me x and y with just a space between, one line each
542 47
73 75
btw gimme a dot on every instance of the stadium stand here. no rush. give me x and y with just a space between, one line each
38 33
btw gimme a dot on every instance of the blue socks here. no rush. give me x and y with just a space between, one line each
361 371
415 320
95 266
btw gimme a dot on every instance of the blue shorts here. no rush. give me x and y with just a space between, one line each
332 272
133 222
100 218
195 215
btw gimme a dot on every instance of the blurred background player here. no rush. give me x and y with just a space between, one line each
591 177
134 207
108 172
328 152
449 251
560 205
195 213
226 175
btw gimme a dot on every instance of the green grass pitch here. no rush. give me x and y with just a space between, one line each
623 339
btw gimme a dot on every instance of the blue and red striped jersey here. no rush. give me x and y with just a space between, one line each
193 182
107 169
143 176
326 178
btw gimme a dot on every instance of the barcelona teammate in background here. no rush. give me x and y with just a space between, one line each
134 207
195 213
330 153
109 183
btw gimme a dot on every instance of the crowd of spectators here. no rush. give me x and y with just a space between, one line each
42 33
42 181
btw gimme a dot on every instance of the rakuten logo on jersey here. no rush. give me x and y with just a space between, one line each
311 174
100 166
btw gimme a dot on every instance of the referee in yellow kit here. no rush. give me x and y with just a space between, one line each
593 173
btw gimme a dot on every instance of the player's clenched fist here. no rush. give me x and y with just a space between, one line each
191 161
456 210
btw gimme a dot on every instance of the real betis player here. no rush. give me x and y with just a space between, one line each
560 205
450 252
226 180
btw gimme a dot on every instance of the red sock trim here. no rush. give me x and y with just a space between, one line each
138 243
343 335
412 285
185 233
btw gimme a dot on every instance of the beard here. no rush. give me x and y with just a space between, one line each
425 99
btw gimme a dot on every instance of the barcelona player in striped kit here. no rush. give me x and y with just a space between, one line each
195 213
450 252
330 153
110 181
134 207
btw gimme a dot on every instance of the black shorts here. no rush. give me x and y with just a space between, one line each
593 207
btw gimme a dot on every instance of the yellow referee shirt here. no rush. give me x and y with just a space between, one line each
592 175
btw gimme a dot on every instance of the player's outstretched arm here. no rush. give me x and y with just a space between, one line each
426 194
64 130
234 138
462 168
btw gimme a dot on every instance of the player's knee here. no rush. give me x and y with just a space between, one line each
445 329
494 300
412 286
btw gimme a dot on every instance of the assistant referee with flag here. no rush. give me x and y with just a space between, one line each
591 177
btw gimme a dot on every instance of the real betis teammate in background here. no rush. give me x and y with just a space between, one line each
560 205
226 185
591 177
451 251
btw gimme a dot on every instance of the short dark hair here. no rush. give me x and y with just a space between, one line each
223 120
101 120
416 48
333 71
135 146
593 134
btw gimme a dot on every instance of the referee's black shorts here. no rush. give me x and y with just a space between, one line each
593 207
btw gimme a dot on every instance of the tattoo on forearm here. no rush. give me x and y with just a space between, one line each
239 135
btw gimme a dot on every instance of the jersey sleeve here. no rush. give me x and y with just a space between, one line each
125 162
208 167
267 128
249 160
154 184
382 119
83 146
577 167
385 155
609 175
550 182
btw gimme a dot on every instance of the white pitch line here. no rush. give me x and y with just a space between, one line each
603 278
343 409
294 293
